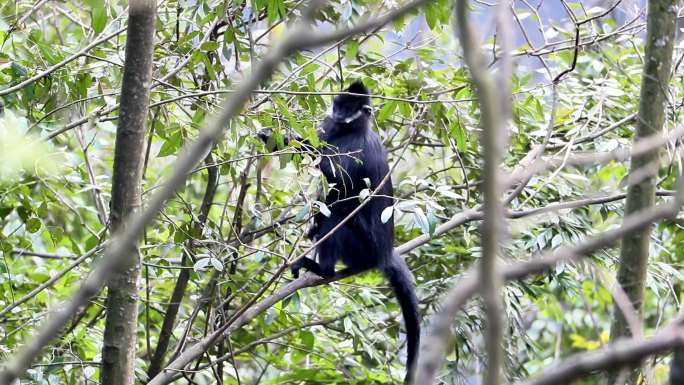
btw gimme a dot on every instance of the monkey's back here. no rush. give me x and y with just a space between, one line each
350 160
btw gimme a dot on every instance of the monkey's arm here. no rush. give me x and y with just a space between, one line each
266 135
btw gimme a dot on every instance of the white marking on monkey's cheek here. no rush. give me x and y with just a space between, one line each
329 111
353 117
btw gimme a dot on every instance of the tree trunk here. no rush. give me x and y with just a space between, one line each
119 346
641 193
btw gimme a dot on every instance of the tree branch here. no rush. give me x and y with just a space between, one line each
614 356
493 113
61 64
435 345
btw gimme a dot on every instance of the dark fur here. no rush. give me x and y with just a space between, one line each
363 242
677 367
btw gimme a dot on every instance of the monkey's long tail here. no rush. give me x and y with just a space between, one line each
401 279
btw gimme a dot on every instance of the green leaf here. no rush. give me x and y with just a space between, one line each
171 145
90 243
179 236
307 339
6 248
431 15
33 225
209 46
294 301
18 71
24 212
459 135
273 10
302 213
99 18
386 110
352 50
405 109
433 220
5 211
42 210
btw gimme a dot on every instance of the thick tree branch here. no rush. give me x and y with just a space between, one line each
643 146
493 112
614 356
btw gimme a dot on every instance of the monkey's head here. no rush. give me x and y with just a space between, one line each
347 108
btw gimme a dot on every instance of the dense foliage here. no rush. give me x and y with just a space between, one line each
56 152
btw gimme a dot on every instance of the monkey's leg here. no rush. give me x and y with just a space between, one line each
354 270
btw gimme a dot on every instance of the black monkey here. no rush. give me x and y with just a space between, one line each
355 159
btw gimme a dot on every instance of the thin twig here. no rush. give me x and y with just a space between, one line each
61 64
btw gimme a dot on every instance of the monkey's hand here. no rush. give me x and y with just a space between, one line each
265 135
296 267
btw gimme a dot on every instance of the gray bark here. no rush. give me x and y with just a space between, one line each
641 195
119 345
